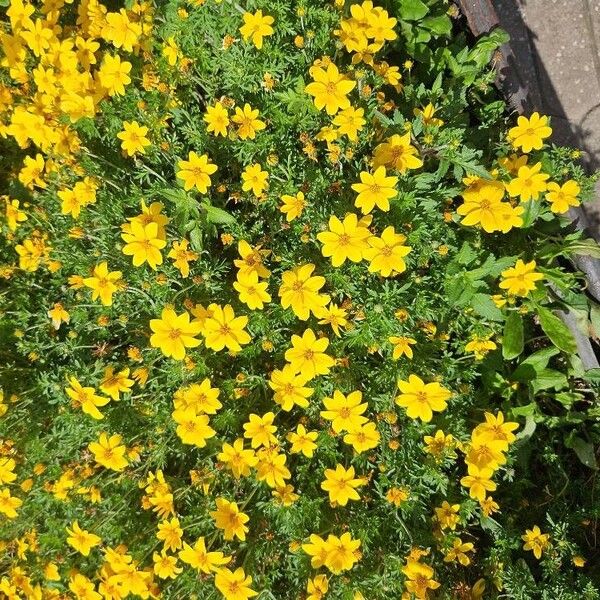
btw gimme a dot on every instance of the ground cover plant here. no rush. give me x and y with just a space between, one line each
280 309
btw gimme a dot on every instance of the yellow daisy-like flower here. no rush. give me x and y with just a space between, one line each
256 26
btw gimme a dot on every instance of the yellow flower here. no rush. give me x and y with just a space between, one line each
192 428
419 578
271 467
486 454
14 215
397 153
483 206
563 197
247 121
109 452
37 36
200 559
375 190
350 121
87 398
173 333
200 397
300 290
165 566
113 383
170 51
386 253
196 172
260 430
536 541
529 183
59 315
121 31
133 138
480 347
341 485
458 552
144 244
427 117
317 549
333 315
317 587
520 279
344 412
397 496
307 355
169 532
289 388
31 173
251 260
238 459
402 346
256 26
438 444
330 88
478 481
363 438
342 553
223 329
255 179
216 119
292 206
83 588
421 399
228 518
103 283
303 441
345 240
529 134
51 572
182 256
234 585
7 466
252 292
114 74
80 539
9 504
495 429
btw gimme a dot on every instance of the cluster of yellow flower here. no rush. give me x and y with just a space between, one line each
72 78
484 203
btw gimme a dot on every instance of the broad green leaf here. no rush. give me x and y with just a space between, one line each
484 305
412 10
587 247
440 25
556 330
218 216
533 364
549 379
531 213
584 450
512 338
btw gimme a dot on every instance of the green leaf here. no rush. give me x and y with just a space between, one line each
557 331
534 364
412 10
196 239
587 247
484 306
531 213
549 379
584 450
512 338
218 216
440 25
